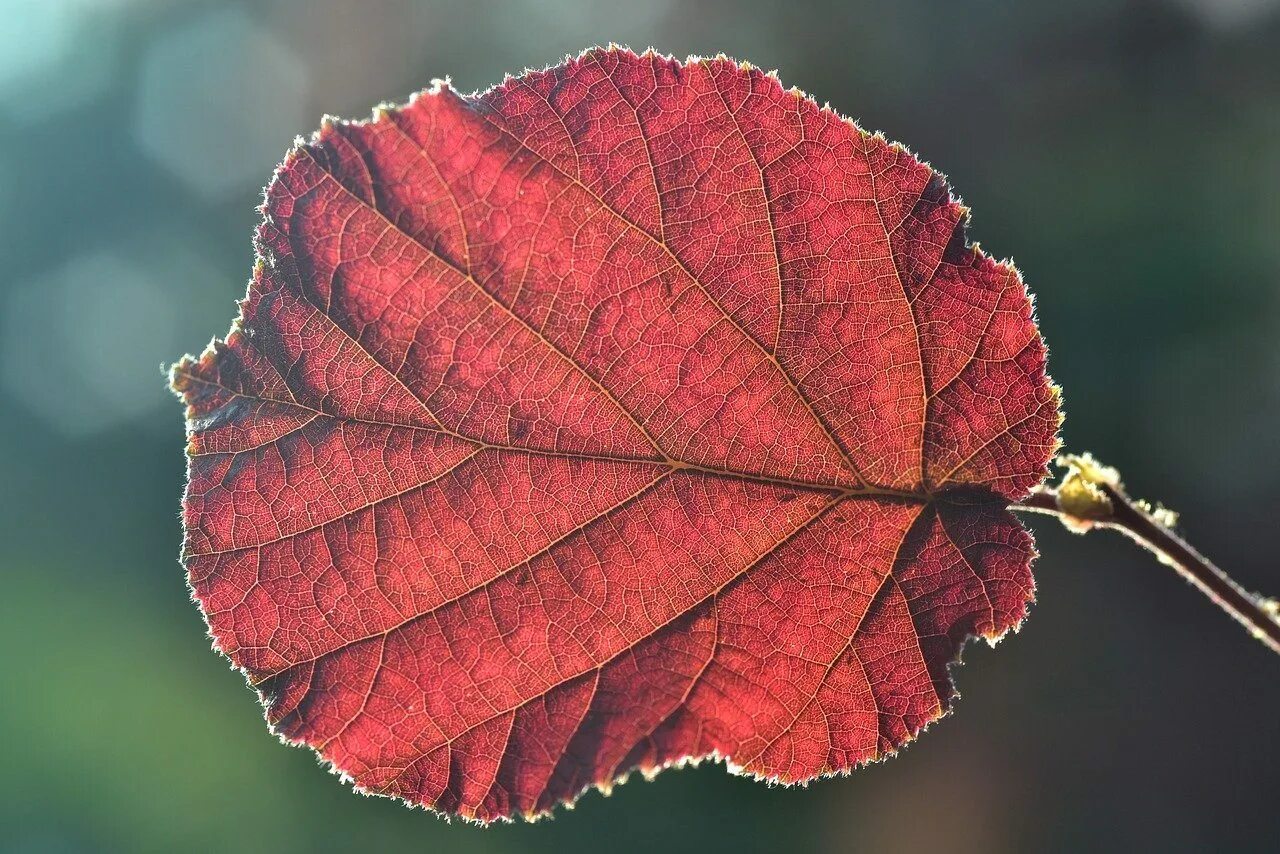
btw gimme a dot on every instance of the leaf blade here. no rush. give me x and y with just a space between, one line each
545 402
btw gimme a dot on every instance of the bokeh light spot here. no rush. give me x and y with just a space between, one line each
219 102
81 348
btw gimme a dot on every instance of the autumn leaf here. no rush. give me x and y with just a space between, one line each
628 413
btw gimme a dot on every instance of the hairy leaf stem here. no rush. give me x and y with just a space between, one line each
1092 495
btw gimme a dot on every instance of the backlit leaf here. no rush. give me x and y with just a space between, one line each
630 412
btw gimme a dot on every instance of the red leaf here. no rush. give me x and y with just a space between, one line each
630 412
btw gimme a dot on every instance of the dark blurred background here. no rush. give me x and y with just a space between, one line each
1126 154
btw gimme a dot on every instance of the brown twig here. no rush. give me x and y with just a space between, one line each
1091 495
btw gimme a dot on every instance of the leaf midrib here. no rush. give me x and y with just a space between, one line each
855 491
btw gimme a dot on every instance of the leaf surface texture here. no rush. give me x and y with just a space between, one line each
630 412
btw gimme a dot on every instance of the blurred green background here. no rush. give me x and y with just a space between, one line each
1126 154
